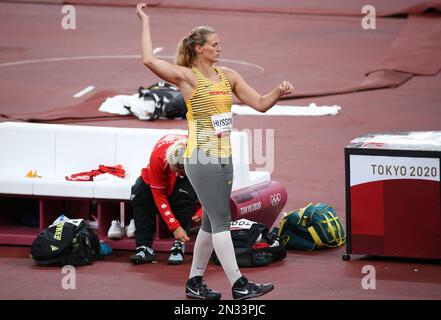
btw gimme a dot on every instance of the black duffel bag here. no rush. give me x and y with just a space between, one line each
254 244
169 102
66 243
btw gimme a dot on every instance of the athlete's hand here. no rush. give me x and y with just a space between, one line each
285 88
181 235
196 218
140 13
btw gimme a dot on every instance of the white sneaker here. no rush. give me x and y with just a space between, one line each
130 229
177 253
115 230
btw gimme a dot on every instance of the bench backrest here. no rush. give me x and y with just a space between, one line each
58 150
26 146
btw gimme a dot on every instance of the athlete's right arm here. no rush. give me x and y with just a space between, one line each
177 75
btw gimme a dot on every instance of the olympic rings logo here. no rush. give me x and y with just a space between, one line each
275 199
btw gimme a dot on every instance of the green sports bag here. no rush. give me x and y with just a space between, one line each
312 227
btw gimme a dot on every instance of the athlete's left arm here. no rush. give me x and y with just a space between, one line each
251 97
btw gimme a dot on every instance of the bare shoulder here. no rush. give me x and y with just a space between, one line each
231 74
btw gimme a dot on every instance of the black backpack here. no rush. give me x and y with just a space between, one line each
66 243
254 244
168 99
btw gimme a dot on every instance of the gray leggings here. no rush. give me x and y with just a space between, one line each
212 179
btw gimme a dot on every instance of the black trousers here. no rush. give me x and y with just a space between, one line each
182 202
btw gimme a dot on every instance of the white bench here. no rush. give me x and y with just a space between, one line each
56 151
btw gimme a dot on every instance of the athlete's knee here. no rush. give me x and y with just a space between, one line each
221 226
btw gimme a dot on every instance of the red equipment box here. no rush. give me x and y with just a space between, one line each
393 196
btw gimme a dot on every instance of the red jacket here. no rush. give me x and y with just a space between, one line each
162 179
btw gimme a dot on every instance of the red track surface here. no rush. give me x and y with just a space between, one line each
316 53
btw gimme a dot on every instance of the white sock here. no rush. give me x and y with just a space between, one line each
203 248
223 246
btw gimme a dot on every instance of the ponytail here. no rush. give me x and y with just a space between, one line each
185 54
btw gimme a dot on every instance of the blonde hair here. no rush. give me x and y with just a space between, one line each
185 54
174 155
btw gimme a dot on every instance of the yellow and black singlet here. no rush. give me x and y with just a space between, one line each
209 116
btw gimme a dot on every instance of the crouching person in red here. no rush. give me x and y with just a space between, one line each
163 188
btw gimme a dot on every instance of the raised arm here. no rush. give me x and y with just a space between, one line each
251 97
177 75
